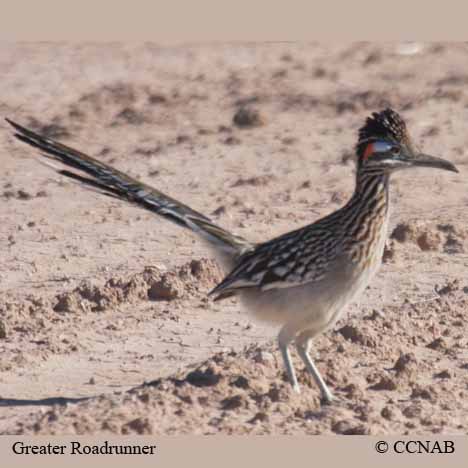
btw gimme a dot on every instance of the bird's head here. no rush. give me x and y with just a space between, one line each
385 146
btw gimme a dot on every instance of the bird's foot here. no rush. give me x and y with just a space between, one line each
330 399
296 388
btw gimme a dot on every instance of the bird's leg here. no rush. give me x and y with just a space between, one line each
285 338
303 343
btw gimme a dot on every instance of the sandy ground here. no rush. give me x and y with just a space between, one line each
104 321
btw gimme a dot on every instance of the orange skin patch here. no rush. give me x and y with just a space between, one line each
369 150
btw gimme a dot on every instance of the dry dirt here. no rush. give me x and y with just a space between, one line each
104 322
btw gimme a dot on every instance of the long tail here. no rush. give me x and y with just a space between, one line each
116 184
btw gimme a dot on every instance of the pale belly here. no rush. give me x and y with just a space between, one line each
317 306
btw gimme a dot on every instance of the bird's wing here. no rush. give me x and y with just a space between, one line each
296 258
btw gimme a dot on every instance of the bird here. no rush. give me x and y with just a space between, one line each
301 280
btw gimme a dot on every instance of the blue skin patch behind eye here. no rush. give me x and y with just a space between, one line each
382 146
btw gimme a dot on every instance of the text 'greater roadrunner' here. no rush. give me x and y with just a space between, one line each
304 278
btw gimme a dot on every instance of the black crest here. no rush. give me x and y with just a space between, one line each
386 124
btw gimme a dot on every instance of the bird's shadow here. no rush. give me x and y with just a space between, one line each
6 402
59 400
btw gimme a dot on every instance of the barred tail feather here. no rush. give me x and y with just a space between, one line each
111 182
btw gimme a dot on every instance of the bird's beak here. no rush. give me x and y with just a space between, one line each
424 160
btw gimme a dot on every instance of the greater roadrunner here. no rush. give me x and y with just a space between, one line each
304 278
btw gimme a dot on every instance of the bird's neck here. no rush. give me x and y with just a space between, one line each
368 207
371 187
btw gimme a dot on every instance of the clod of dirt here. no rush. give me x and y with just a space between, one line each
448 228
353 391
182 139
387 413
431 131
219 211
425 393
103 98
191 278
157 99
347 157
453 245
224 129
150 151
450 287
168 288
401 233
454 237
256 181
355 335
373 58
429 240
240 382
138 426
374 315
385 383
289 140
418 233
3 332
206 271
203 378
94 295
232 403
231 141
438 343
412 411
349 428
445 374
338 197
389 253
319 72
23 195
130 116
54 130
91 297
344 106
441 237
246 117
263 357
67 303
259 417
406 364
281 73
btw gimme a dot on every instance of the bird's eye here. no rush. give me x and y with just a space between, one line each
395 150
